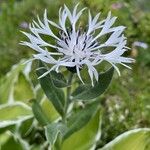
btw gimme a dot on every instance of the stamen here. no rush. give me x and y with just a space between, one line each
66 41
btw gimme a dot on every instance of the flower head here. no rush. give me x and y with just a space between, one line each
75 47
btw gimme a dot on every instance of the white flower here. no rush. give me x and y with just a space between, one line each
74 47
140 44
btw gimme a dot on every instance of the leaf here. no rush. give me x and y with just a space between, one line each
11 143
7 128
23 90
39 114
9 140
81 118
52 130
7 83
137 139
58 79
26 127
87 92
11 114
86 137
54 94
4 138
49 110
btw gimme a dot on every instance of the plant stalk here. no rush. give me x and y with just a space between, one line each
67 102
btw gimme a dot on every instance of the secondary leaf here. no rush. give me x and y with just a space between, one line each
54 94
49 110
11 143
39 114
81 118
11 114
26 127
7 83
137 139
52 130
23 90
87 92
58 79
86 137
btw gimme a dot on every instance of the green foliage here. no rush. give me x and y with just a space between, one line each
16 112
126 104
59 79
53 130
21 87
49 110
11 143
15 86
88 92
39 114
80 118
16 117
11 24
19 115
55 95
86 137
138 139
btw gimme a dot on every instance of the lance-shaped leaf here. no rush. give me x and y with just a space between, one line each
39 114
85 138
11 142
49 110
11 114
54 94
53 130
58 79
23 90
87 92
7 83
81 118
137 139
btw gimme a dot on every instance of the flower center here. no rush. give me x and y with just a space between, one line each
75 45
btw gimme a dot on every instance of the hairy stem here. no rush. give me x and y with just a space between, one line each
68 96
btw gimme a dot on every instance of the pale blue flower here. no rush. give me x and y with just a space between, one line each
76 47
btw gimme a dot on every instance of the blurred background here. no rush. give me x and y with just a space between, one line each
126 104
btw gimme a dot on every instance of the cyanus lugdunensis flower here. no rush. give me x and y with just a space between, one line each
74 47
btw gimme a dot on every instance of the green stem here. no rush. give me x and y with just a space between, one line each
68 96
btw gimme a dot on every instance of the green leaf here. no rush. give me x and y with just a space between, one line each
26 127
11 114
49 110
9 140
39 114
7 128
137 139
23 90
87 92
36 147
7 84
4 138
58 79
11 143
81 118
52 130
54 94
86 137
